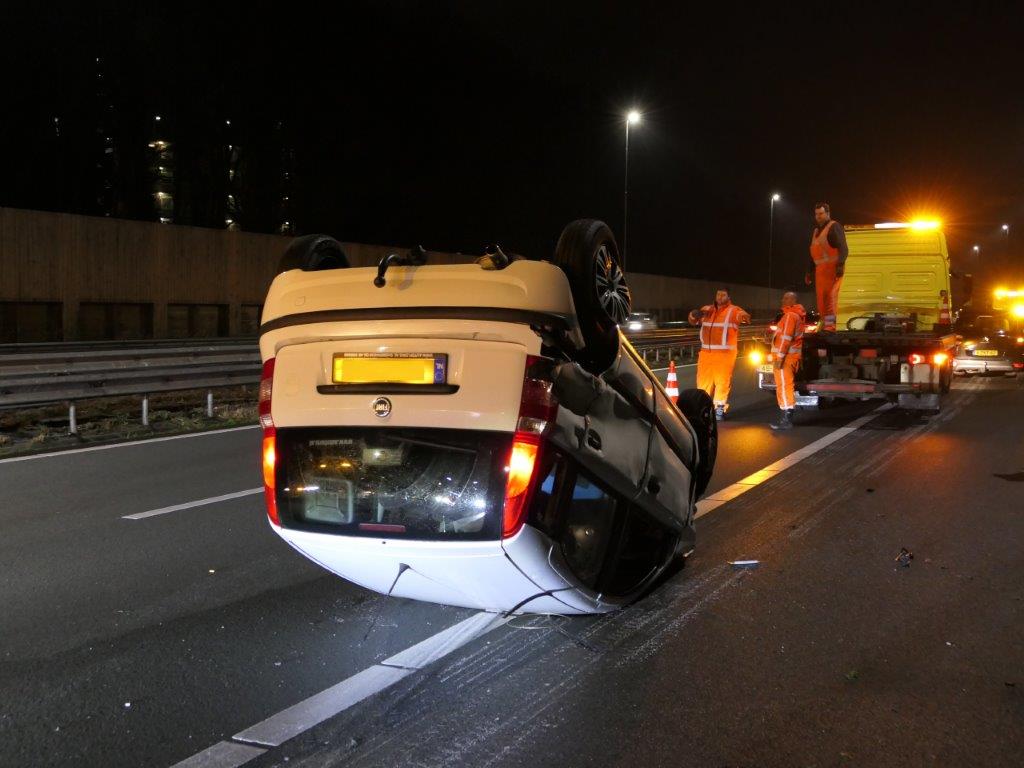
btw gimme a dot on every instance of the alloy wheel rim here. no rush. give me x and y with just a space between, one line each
610 282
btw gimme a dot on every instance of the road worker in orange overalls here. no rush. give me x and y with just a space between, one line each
787 348
719 333
828 263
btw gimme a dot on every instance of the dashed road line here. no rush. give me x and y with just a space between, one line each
191 504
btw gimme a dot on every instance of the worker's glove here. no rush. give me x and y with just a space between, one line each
778 363
808 278
840 269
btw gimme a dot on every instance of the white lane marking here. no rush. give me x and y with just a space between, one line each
288 723
35 456
190 504
223 754
730 492
440 645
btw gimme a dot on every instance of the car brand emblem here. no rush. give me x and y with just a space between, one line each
382 407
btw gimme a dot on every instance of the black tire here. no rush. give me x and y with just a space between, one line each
588 255
311 253
699 410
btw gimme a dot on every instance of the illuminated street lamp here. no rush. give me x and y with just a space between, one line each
632 118
771 232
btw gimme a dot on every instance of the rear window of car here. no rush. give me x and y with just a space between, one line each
437 484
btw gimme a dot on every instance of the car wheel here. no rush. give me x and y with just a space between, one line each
698 409
588 255
312 253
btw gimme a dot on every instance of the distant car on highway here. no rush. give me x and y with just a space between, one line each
989 345
480 434
637 322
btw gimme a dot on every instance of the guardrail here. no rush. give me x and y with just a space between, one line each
48 374
66 372
663 344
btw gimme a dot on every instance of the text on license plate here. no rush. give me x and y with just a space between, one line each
399 368
986 353
767 368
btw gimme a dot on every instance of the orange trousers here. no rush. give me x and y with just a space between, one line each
826 285
714 374
785 377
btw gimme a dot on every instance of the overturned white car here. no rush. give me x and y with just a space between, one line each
479 435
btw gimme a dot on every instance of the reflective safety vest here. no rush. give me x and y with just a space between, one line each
789 335
719 327
821 251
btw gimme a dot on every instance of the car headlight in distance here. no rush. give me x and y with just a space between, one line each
756 357
635 326
1018 310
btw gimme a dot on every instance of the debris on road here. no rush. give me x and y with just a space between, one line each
852 675
744 563
904 557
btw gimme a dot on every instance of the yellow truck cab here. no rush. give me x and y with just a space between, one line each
894 340
897 270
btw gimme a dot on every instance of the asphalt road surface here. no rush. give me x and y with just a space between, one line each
195 634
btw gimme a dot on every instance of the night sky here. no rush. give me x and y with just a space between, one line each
458 124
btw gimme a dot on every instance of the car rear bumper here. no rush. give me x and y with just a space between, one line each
514 575
977 365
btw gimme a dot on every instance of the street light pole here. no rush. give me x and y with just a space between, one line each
771 236
632 118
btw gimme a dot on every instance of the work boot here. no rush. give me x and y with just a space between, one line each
785 421
719 413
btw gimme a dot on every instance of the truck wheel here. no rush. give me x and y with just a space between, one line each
698 409
588 255
312 253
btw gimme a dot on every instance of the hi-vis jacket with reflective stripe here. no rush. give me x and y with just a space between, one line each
789 336
719 326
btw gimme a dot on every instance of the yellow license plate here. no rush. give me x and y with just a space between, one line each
986 353
767 368
357 368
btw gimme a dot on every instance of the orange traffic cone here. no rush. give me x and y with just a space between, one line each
944 316
672 383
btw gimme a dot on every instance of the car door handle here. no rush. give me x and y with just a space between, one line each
654 486
593 440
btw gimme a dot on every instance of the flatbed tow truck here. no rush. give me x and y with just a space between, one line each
897 340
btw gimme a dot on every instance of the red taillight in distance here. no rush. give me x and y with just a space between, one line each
538 408
269 441
916 359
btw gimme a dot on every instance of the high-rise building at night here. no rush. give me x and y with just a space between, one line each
161 170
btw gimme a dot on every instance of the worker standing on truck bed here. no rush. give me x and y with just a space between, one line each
828 262
787 349
719 334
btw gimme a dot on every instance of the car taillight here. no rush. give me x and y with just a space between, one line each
270 474
266 394
940 358
1018 366
269 441
916 359
522 461
538 407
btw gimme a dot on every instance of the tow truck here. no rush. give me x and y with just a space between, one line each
895 340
